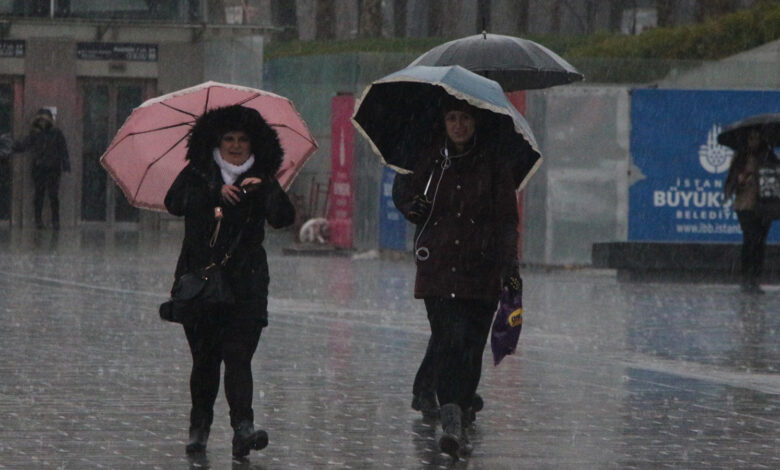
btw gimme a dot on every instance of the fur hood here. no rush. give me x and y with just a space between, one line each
212 125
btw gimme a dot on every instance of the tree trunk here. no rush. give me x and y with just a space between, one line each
523 10
284 15
436 12
325 14
665 11
399 18
590 16
615 15
483 15
216 11
708 9
370 22
555 16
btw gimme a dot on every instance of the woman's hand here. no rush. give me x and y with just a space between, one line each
231 194
252 180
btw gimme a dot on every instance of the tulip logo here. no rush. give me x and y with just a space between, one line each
714 158
516 318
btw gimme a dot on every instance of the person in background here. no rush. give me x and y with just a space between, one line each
742 183
49 151
228 192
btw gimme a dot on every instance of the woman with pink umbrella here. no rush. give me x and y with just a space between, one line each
226 193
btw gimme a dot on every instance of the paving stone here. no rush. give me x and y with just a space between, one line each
607 375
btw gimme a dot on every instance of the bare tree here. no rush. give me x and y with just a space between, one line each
665 11
615 15
591 8
284 15
436 16
325 19
483 15
555 16
523 12
216 11
370 22
399 18
715 8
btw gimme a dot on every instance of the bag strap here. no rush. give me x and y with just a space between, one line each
218 215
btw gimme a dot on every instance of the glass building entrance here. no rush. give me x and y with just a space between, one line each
106 105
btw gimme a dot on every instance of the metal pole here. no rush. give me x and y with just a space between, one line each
51 8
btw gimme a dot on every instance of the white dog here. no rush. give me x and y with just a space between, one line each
315 230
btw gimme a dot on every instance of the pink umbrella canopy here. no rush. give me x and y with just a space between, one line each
148 152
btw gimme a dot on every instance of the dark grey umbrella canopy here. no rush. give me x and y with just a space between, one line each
400 116
734 135
515 63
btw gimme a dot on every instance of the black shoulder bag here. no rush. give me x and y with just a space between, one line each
196 292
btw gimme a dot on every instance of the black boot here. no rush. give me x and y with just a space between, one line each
427 405
470 413
466 447
199 435
452 440
245 438
200 425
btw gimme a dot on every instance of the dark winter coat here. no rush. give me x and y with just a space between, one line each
471 233
48 149
196 192
746 164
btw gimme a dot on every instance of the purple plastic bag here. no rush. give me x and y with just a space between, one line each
509 320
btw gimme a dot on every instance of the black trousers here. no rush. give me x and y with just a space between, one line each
459 331
47 182
754 232
215 339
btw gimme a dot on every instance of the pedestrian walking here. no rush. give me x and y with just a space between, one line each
461 196
50 158
742 182
226 193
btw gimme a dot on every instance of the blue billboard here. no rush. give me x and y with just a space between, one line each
678 168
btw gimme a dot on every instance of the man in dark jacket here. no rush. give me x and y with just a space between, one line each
50 158
461 196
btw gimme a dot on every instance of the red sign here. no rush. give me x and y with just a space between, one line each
341 194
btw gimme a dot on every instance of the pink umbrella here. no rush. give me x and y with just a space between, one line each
148 152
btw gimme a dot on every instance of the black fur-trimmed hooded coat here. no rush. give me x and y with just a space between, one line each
196 192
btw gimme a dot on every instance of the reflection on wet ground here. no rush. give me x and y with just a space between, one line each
607 375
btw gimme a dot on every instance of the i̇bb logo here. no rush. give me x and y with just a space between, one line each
714 158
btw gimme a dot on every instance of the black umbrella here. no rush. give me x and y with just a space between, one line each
515 63
735 134
398 115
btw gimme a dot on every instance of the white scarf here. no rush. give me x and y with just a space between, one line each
230 172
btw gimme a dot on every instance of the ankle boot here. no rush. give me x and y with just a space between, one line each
199 435
426 404
466 448
245 438
452 440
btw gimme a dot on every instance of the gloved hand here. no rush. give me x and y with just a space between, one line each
419 209
510 276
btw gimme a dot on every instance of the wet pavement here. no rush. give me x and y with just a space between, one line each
607 375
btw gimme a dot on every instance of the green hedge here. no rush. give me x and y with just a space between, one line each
711 40
273 50
602 57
